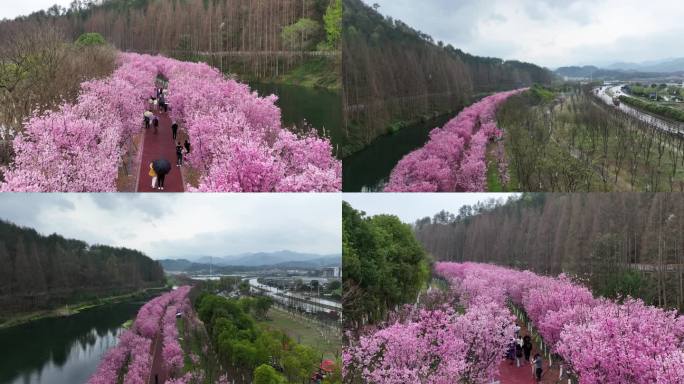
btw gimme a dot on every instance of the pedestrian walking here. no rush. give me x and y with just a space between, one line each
160 181
147 115
179 154
162 167
187 146
155 123
174 130
154 176
527 347
518 351
538 367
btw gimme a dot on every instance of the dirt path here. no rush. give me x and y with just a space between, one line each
155 146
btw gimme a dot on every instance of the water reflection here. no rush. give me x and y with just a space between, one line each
63 350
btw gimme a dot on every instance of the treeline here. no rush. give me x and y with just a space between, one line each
248 352
393 73
567 140
619 243
41 272
383 266
259 39
658 109
41 67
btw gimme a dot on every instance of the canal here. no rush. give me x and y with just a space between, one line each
62 350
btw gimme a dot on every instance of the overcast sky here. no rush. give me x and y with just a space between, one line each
412 206
181 225
9 9
551 33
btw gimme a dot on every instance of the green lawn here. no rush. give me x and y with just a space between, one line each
304 332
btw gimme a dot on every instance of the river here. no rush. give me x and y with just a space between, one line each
369 169
320 108
62 350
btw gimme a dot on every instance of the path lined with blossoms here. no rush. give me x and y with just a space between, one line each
157 371
454 158
601 341
159 146
597 340
134 352
238 141
510 373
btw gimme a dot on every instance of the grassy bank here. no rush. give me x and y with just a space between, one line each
68 310
660 110
314 73
304 332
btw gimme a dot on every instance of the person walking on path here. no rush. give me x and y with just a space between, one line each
179 154
518 351
527 347
538 367
155 123
154 176
174 130
160 181
187 146
161 167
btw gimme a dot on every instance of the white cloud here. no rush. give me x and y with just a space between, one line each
550 32
180 225
9 9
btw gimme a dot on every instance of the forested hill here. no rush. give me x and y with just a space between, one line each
258 39
621 243
392 72
39 271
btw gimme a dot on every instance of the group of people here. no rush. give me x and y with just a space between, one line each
179 147
522 346
159 101
159 168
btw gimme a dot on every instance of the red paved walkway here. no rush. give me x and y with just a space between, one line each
157 373
159 146
511 374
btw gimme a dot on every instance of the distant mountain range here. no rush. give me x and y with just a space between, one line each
279 259
659 66
623 71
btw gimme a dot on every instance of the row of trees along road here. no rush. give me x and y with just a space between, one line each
566 139
40 272
254 38
250 353
393 73
619 243
384 266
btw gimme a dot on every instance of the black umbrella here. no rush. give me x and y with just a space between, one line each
161 166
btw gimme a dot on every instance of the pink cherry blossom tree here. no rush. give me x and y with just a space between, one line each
454 157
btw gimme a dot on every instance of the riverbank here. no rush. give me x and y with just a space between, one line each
369 168
70 310
318 73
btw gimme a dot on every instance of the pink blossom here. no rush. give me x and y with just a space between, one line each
454 157
238 143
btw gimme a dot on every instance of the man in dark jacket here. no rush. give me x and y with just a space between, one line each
179 155
174 130
527 346
155 123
